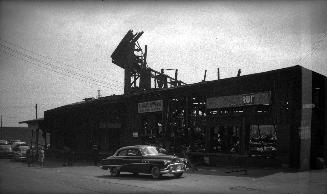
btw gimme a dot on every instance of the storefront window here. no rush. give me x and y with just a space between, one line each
226 139
263 140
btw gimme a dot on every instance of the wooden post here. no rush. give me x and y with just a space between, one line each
205 75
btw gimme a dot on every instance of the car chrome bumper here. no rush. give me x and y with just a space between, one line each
174 168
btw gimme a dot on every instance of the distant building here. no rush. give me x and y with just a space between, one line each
271 118
13 133
38 133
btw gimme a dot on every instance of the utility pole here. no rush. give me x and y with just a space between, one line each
36 111
2 130
218 73
37 131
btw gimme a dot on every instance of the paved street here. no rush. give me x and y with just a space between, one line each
16 177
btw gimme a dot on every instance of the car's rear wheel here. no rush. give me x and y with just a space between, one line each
114 171
178 175
155 172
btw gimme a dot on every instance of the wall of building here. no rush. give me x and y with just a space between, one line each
184 113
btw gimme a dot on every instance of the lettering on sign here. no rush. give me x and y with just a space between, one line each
239 100
150 106
248 99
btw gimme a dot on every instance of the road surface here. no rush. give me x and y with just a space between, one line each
16 177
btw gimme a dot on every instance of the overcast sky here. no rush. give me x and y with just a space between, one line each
55 53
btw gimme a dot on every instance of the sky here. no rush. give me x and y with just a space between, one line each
54 53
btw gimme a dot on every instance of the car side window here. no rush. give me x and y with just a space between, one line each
122 153
133 152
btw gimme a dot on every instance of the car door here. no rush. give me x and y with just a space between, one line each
133 160
118 159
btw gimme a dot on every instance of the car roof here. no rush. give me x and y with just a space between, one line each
136 146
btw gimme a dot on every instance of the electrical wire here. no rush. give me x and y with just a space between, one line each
50 64
58 62
22 56
314 48
53 66
12 53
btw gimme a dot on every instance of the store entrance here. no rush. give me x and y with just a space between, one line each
225 139
152 128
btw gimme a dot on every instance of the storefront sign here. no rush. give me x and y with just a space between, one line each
239 100
151 106
248 99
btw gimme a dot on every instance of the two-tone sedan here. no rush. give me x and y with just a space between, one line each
143 159
19 152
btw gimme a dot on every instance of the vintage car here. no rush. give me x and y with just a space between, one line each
5 150
143 159
19 152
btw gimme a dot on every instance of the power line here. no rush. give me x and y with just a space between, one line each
52 66
315 46
61 73
57 61
19 55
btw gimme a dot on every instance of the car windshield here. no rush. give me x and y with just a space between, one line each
149 151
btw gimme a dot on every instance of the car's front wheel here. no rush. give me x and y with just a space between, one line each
114 171
155 172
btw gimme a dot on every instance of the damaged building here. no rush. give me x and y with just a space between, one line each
274 118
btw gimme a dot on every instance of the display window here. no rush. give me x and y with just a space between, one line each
263 141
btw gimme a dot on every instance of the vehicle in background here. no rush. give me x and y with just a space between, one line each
5 150
14 140
144 159
19 152
18 143
3 142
